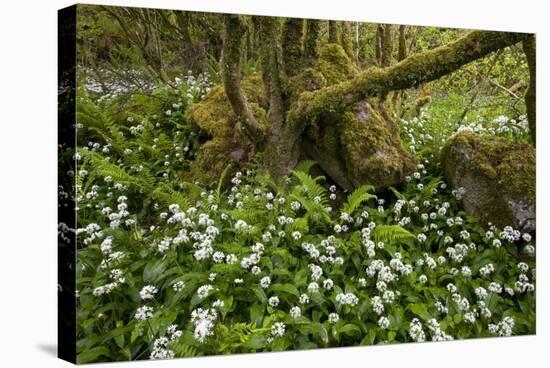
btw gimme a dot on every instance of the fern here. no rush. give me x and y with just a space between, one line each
305 166
221 180
310 186
166 195
183 350
433 184
103 168
388 233
357 197
94 119
397 193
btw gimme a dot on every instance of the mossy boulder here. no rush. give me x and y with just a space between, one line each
227 142
498 176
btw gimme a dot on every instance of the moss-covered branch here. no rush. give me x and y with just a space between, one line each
529 47
412 71
233 40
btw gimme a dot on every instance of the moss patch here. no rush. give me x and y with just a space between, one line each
334 64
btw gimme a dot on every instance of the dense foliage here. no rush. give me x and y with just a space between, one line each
166 268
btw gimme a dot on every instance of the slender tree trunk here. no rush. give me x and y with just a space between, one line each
310 42
402 43
387 45
334 31
347 42
293 37
378 43
282 145
530 49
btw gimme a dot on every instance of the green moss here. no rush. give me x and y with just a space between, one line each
292 40
334 64
308 80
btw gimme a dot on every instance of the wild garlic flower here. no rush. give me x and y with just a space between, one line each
384 323
503 328
347 299
203 320
265 282
143 313
295 312
148 292
273 301
278 329
416 332
204 290
178 286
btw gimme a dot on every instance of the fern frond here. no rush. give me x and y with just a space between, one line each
397 193
357 197
221 181
388 233
305 166
103 168
166 195
310 186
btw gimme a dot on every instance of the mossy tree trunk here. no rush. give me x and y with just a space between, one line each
292 41
402 54
347 40
386 45
529 47
334 32
278 136
378 43
282 143
313 28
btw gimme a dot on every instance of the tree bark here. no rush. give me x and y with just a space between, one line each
387 45
310 42
378 43
293 37
333 31
347 41
233 40
530 49
402 43
412 71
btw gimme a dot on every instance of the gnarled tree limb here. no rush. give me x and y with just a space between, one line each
233 40
412 71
